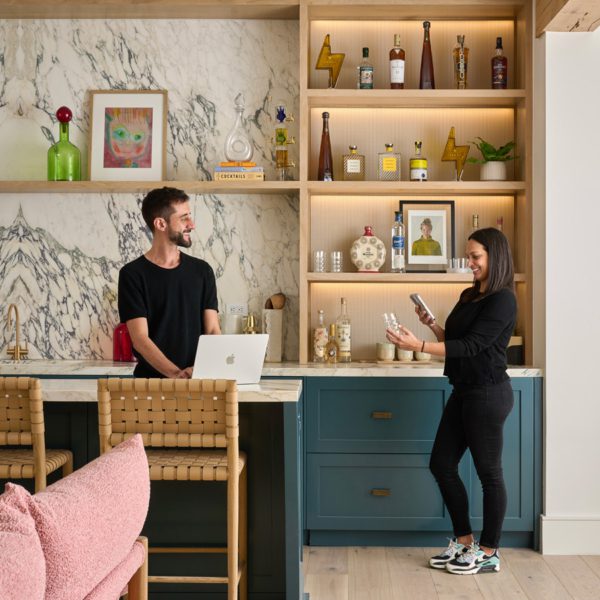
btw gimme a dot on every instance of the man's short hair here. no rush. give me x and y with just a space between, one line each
160 203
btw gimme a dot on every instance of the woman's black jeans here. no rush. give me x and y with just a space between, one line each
473 418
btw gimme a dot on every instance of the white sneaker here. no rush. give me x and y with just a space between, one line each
453 550
473 561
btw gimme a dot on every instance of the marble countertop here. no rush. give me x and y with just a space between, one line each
105 368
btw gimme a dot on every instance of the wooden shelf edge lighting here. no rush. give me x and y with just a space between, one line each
367 278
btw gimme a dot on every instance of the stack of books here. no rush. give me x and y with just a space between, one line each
239 171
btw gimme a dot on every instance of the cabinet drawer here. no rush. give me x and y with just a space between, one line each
373 492
373 416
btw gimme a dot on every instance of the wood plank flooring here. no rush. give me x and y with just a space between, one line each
369 573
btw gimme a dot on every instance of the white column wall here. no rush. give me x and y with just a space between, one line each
571 519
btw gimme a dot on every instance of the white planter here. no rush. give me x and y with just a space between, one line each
494 170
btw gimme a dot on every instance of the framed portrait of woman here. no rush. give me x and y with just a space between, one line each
128 135
429 234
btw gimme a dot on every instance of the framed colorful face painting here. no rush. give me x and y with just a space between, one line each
128 135
429 226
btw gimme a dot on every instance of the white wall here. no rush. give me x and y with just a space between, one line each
571 519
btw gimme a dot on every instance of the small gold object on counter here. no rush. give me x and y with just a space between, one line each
250 324
16 351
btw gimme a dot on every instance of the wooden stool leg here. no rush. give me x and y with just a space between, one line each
244 533
40 479
233 493
68 467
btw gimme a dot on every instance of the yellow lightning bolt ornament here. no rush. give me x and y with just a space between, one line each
332 62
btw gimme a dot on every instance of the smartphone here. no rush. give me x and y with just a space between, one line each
421 304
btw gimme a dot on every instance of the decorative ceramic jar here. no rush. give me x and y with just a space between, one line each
493 170
368 252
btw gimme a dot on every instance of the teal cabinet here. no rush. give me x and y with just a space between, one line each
368 443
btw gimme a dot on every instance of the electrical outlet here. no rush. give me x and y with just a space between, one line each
237 309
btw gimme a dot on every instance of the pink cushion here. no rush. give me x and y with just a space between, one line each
89 521
115 583
22 565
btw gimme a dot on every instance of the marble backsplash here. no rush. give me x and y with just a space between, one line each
60 253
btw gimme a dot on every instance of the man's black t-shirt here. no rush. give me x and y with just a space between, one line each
476 337
172 300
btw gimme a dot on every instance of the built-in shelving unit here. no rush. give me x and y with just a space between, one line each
367 278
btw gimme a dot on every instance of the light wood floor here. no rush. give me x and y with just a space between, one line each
359 573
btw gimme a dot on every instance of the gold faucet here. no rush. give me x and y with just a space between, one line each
16 351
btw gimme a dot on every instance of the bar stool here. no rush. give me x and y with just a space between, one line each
191 430
22 424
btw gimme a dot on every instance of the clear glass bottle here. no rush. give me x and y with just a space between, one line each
343 328
398 264
238 146
499 67
332 348
418 164
461 59
426 79
325 172
474 223
353 165
389 164
320 339
365 72
64 158
397 58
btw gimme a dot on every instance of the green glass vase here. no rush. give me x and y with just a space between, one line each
64 158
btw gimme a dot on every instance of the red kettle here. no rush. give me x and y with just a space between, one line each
122 347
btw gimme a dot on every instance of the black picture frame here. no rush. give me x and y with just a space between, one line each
429 254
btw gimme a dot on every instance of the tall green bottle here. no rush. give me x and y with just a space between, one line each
64 158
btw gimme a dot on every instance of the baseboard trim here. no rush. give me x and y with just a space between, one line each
570 535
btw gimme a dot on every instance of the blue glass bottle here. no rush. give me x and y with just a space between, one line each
64 158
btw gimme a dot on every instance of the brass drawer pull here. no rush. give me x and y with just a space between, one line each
381 414
381 492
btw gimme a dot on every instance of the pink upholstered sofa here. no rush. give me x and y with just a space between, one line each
78 539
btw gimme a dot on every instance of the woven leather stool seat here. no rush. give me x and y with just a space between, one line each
189 465
22 424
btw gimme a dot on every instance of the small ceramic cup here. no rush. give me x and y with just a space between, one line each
404 355
385 351
422 356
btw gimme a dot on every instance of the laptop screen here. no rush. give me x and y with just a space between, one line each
234 356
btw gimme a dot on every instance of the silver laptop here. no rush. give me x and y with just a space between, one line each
238 357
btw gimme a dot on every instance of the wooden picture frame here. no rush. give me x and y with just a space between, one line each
429 234
128 135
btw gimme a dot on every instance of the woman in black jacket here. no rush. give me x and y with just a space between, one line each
474 345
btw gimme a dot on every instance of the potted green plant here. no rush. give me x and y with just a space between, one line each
493 161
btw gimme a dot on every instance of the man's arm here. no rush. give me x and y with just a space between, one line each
210 322
138 331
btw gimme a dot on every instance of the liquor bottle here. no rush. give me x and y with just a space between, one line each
461 59
397 57
500 223
353 165
332 349
325 159
343 329
389 164
418 165
64 158
398 265
499 68
474 223
427 80
320 339
365 72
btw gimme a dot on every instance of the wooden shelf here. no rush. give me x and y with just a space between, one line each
414 188
346 98
396 277
128 187
150 9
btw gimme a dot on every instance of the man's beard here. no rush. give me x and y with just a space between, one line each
177 238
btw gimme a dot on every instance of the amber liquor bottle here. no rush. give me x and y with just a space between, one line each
397 56
499 68
427 80
325 172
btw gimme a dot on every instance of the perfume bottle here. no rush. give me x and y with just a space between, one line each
389 164
418 165
320 339
237 145
353 165
461 58
365 72
64 158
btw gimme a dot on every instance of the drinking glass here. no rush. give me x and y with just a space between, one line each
336 261
319 261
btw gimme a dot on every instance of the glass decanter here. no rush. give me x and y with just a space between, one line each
64 158
238 146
